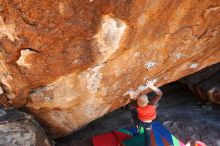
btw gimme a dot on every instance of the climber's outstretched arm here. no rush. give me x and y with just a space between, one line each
156 90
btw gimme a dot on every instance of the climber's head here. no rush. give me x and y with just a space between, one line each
142 100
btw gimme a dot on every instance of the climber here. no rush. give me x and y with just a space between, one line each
145 112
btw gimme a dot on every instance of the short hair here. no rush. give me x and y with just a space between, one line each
142 100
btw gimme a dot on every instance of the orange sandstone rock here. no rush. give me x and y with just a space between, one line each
72 61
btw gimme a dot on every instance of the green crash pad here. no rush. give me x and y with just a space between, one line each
135 141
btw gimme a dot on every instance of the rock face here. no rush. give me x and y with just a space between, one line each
70 62
205 83
20 129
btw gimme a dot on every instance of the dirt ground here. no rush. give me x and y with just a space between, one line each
179 110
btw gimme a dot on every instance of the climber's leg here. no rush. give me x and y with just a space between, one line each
147 127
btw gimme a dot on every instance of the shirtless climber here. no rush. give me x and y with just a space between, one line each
145 112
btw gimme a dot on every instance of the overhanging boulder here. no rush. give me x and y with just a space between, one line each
70 62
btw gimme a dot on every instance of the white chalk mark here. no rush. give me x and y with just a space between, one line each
134 93
131 93
94 77
194 65
150 64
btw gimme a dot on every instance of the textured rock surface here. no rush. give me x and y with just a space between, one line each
71 61
20 129
205 83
